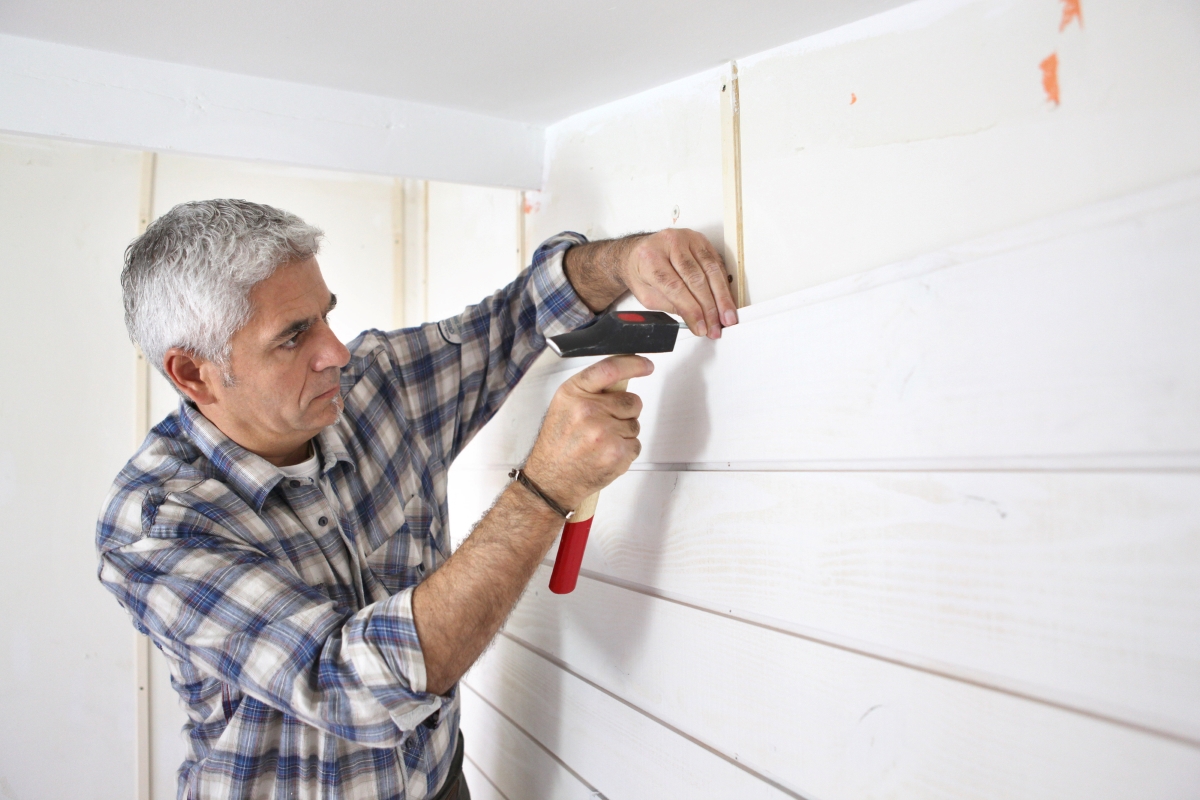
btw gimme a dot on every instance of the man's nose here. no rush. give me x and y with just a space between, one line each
330 351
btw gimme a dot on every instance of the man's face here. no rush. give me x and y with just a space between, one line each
285 365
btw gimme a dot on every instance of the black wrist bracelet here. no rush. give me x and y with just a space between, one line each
520 477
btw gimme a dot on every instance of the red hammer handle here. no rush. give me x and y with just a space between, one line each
575 536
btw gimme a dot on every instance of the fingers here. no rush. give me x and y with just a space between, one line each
612 370
685 275
719 281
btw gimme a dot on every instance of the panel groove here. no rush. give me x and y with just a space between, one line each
767 779
1112 463
527 735
479 769
995 683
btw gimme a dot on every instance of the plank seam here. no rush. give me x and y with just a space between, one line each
753 772
1108 463
994 683
486 777
531 738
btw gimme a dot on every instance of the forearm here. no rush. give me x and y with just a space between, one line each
462 605
595 269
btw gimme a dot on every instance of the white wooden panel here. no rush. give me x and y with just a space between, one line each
355 211
168 748
1074 338
625 754
67 211
823 721
481 787
929 124
473 245
511 764
1082 589
647 162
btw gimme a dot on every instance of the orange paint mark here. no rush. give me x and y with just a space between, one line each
1071 11
1050 77
853 98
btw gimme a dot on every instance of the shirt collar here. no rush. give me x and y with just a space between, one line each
250 476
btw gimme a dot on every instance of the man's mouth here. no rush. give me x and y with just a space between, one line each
329 395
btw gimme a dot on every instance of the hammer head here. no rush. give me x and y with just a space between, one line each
620 333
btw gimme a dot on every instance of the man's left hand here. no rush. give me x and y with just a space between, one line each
679 271
675 270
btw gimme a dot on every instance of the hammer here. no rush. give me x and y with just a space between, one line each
614 333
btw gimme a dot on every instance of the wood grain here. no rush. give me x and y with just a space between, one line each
514 763
1080 589
822 721
1073 337
615 748
928 125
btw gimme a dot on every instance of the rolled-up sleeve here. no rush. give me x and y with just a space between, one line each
243 618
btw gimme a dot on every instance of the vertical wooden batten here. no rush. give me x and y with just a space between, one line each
424 251
141 428
731 181
521 249
398 238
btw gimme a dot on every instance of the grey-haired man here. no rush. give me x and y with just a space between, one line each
281 537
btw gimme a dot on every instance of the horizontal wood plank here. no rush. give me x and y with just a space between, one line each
1075 336
623 753
927 125
1081 589
511 763
822 721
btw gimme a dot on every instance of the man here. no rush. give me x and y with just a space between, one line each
282 538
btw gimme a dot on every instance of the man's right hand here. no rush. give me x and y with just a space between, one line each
589 436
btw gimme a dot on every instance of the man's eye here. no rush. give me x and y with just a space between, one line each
291 343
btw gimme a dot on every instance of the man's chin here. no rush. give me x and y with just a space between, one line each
324 413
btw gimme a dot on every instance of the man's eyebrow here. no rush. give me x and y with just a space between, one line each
301 325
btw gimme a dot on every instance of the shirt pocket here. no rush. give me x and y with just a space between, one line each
408 555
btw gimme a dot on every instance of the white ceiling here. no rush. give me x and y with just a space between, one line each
535 61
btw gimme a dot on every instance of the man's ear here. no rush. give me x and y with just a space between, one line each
184 370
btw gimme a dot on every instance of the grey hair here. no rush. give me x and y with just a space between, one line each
187 279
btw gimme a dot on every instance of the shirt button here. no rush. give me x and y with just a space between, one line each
323 521
294 484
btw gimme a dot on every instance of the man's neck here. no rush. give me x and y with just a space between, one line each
286 454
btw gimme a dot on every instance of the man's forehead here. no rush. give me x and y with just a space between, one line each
294 292
292 286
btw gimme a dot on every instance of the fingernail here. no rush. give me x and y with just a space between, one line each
701 328
730 317
716 332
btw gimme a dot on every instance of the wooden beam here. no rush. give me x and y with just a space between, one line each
141 428
731 182
397 253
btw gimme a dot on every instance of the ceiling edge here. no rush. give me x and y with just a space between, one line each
58 90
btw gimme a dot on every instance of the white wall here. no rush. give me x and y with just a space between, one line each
66 213
951 134
58 90
474 244
924 525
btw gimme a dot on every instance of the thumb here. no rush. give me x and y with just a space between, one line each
603 374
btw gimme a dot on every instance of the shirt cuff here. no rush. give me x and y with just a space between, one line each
559 307
386 654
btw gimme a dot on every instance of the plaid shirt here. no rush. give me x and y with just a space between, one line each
284 606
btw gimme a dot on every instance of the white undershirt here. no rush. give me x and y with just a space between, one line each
305 469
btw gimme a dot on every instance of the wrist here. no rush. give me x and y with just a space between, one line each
520 476
597 270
